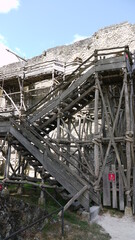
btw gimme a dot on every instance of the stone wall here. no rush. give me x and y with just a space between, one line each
113 36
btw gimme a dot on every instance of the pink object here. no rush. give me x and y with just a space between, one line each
111 177
1 187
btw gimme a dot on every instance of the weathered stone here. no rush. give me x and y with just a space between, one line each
94 211
14 214
85 216
5 193
41 200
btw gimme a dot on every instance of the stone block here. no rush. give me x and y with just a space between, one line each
94 213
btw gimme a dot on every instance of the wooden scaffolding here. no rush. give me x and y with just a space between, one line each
81 132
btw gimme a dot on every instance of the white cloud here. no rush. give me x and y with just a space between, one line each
5 56
78 37
7 5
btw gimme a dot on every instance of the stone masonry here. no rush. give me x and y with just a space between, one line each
113 36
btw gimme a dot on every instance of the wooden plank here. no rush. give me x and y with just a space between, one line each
112 66
4 127
106 188
133 190
110 60
5 123
121 191
4 130
114 189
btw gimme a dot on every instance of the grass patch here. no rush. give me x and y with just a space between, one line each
76 220
113 212
75 229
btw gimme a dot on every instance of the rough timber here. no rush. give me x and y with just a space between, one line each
82 125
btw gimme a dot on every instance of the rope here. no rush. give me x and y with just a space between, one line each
97 139
129 136
128 192
97 188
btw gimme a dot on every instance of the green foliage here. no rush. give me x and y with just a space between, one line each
78 229
74 219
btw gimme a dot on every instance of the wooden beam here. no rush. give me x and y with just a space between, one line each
28 182
133 190
8 161
75 197
114 188
110 66
106 188
121 192
96 146
128 129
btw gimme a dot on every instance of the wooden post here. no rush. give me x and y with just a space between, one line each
131 105
42 200
106 188
133 190
114 189
58 125
8 161
96 147
121 192
79 148
20 81
19 162
2 100
68 145
128 130
132 120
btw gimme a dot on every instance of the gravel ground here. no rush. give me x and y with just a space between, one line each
118 228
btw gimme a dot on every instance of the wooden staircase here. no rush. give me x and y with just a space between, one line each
71 97
42 152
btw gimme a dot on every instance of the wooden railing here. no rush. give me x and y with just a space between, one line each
71 70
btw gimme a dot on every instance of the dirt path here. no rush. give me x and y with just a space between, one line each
118 228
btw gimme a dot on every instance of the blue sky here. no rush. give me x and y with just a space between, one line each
29 27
